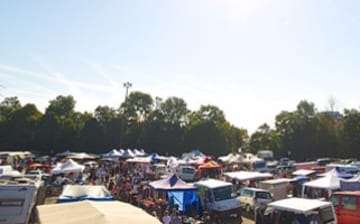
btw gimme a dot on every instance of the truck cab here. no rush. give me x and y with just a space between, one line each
218 198
347 206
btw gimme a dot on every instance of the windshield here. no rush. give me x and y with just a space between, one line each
263 195
222 193
259 164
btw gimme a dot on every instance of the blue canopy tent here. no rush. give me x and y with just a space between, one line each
179 192
155 158
350 184
338 173
73 193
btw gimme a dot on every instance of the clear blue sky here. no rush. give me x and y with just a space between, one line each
251 58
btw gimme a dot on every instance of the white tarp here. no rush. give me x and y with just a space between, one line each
329 182
247 175
70 166
90 212
303 172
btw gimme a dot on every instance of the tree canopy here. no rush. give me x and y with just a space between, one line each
169 127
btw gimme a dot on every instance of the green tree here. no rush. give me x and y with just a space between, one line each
21 128
264 138
174 111
8 106
137 107
350 139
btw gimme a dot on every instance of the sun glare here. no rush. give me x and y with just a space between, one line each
240 10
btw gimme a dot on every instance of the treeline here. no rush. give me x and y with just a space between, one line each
166 127
169 127
306 134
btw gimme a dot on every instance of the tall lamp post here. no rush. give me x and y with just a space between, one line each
127 85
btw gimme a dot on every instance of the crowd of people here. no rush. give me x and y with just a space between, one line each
129 183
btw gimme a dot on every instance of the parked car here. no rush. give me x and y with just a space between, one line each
347 206
251 198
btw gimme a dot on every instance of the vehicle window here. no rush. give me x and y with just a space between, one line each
349 203
222 193
335 201
327 215
246 193
264 195
188 170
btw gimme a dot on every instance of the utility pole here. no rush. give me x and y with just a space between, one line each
127 85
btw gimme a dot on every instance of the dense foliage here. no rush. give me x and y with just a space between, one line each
169 127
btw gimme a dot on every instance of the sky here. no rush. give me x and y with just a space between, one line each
251 58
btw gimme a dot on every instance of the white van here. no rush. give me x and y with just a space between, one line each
218 198
300 210
16 202
186 173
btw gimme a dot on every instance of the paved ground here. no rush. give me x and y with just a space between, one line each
247 221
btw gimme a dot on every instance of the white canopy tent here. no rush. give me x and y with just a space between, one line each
81 156
113 153
328 182
90 212
70 166
82 192
231 158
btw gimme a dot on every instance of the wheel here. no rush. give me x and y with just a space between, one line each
248 209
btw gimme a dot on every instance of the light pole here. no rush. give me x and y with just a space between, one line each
127 85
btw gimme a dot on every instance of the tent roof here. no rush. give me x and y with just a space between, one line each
337 173
171 183
209 165
89 212
139 160
81 155
68 167
354 179
247 175
81 190
113 153
299 205
327 182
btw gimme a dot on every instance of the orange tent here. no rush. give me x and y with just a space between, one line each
210 165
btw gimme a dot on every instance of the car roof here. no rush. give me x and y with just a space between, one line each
299 205
213 183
